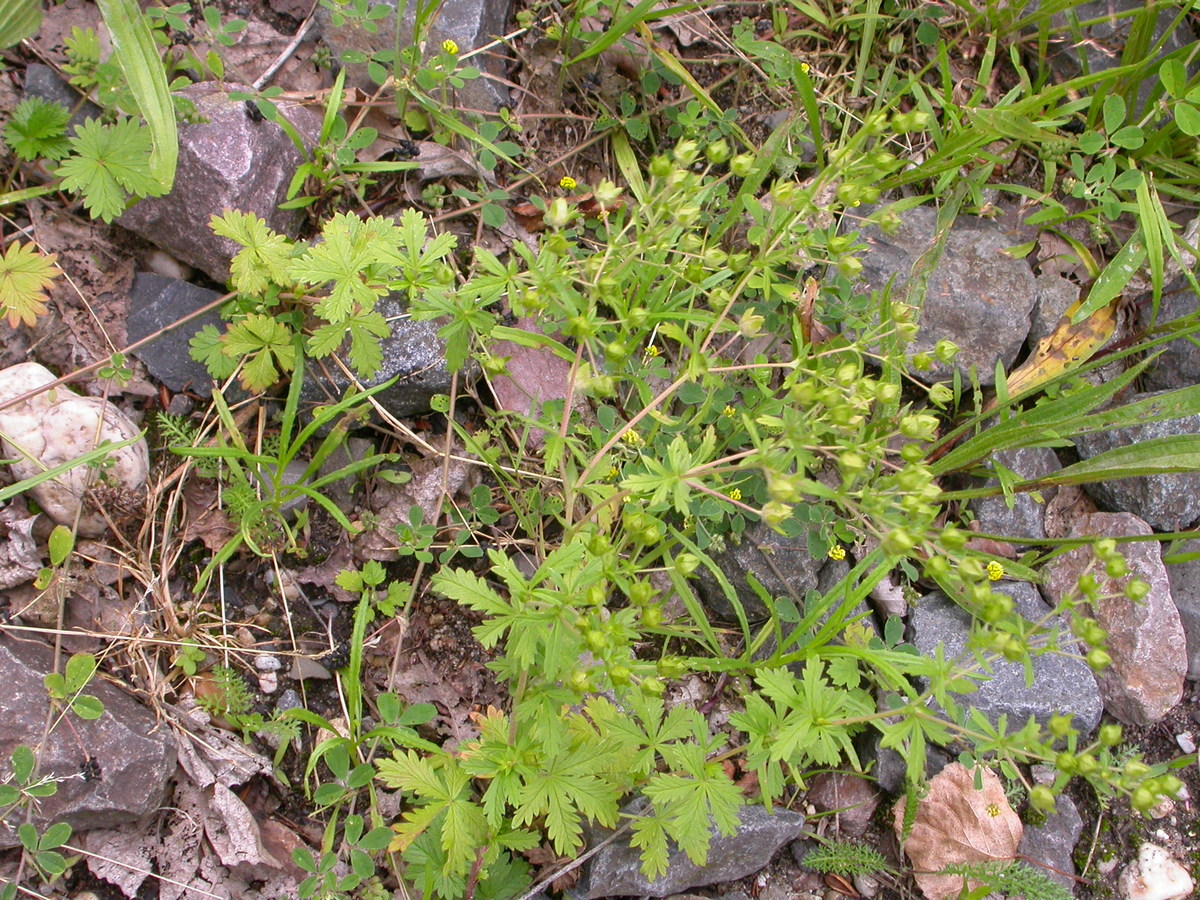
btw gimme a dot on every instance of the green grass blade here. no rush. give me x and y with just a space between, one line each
139 59
19 19
616 31
1160 456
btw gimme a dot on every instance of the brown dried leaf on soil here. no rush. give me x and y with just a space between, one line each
955 824
20 560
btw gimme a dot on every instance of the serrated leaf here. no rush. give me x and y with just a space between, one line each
366 352
25 275
38 129
265 254
207 348
109 163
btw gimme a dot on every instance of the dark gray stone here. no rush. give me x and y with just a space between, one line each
1184 578
43 82
1100 45
1169 502
1053 841
133 755
1025 518
976 295
616 870
226 161
413 351
781 564
471 24
157 302
1061 684
1178 366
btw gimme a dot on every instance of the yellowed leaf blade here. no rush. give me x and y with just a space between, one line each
956 823
1067 347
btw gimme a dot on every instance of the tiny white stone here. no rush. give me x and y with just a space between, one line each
867 885
268 682
1186 742
1154 876
267 663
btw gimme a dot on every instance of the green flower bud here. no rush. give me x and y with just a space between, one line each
1060 725
1110 735
898 542
652 616
1066 763
1115 567
1098 659
660 167
742 164
686 564
717 152
653 687
1137 590
1042 798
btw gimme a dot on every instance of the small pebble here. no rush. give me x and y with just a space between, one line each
1186 742
1162 808
268 682
266 663
289 699
1154 875
867 885
303 667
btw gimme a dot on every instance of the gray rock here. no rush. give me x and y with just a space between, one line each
1178 366
1100 44
413 352
43 82
781 564
226 161
1168 502
1025 518
1061 684
157 302
471 24
976 295
132 754
616 870
1055 295
1145 640
532 377
1184 579
1053 841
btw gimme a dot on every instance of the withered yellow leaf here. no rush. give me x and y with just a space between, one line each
955 824
1067 347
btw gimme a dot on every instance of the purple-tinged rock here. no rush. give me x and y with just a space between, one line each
227 160
110 771
157 302
1145 639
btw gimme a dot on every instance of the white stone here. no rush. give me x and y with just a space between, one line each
266 663
268 682
1154 876
58 426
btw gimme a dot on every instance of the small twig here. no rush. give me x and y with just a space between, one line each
287 51
573 864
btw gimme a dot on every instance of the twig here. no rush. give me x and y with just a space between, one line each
573 864
287 51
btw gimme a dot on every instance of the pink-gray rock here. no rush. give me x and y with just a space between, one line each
1167 502
851 798
532 376
131 755
616 870
1145 640
976 295
227 160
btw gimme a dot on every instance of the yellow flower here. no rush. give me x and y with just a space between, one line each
652 351
567 183
450 47
612 473
735 494
837 552
728 411
632 438
995 571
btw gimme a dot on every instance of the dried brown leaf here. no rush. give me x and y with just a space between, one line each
958 824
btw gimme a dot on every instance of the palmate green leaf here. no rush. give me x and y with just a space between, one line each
265 253
691 803
650 836
206 347
355 256
464 587
25 275
109 163
38 129
267 346
568 789
366 352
